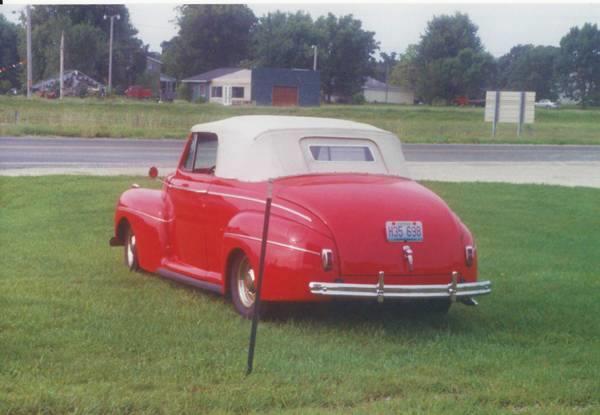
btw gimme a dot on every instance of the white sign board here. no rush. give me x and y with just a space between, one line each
509 107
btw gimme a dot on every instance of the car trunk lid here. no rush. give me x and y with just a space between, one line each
356 209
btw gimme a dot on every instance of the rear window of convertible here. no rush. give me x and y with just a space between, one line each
340 153
340 150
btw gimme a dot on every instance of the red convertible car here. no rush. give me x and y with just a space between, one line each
346 220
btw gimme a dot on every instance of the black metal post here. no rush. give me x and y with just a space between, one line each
261 270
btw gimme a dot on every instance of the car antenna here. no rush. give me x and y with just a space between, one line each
261 269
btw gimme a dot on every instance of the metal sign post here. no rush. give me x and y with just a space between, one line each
521 114
261 270
496 114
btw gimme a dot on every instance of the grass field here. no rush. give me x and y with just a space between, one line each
81 334
416 124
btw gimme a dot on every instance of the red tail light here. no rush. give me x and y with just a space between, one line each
327 259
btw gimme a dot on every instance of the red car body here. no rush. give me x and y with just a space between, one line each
327 234
138 92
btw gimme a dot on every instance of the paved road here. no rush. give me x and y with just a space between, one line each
499 153
561 165
28 152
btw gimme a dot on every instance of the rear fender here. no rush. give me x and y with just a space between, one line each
293 254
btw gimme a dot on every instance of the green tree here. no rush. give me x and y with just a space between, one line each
578 64
451 61
446 36
405 72
385 66
529 68
470 73
9 56
345 55
210 36
284 40
86 42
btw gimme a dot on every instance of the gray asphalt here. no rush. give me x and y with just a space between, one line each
36 152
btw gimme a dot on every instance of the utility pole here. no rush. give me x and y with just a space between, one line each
314 57
62 63
29 71
110 47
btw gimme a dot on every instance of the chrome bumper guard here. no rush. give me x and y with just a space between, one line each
453 290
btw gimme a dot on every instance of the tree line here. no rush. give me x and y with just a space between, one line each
449 60
86 39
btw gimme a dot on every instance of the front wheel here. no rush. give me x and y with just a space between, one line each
131 256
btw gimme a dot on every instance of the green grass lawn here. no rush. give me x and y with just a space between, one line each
79 333
416 124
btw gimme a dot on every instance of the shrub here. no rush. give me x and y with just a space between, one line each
358 99
184 91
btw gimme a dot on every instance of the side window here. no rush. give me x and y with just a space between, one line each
217 92
206 152
237 92
189 160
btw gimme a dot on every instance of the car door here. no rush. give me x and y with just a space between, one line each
188 190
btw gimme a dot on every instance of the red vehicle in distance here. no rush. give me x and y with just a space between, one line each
346 220
138 92
463 101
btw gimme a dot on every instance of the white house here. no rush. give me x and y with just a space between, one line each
379 92
225 86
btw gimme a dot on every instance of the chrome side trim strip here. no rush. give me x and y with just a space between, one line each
252 199
278 206
187 189
249 199
292 247
139 212
452 290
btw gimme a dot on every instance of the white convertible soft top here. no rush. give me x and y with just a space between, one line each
259 147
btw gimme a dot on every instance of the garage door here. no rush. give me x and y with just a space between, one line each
285 96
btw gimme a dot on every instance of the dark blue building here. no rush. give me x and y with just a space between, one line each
286 87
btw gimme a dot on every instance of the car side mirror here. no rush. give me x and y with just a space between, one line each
153 172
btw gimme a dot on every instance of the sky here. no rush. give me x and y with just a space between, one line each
501 26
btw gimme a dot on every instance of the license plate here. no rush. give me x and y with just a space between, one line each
398 231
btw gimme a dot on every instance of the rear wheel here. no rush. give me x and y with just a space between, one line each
131 256
242 281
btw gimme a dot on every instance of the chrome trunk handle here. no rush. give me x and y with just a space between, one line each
408 254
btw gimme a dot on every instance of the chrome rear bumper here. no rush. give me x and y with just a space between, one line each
453 290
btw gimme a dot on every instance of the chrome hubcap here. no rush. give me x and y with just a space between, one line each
131 250
245 283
